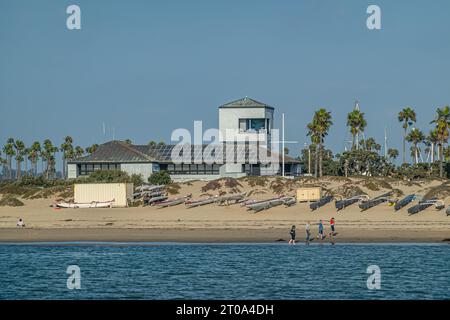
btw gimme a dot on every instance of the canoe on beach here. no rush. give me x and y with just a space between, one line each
424 204
323 201
257 206
93 204
342 204
173 202
197 203
367 204
405 201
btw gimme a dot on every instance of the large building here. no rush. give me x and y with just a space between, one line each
240 123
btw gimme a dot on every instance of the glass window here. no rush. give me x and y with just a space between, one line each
257 124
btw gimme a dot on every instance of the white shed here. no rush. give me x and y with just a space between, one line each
119 192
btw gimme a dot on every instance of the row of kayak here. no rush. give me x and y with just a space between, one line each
366 203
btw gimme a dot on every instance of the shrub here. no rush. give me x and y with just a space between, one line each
137 180
160 178
173 188
107 176
11 201
211 185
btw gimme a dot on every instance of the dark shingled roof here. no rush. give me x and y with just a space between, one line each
245 103
121 152
115 151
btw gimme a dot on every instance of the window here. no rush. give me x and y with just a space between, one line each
87 169
254 124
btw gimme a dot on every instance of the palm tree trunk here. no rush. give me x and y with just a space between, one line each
404 147
416 157
19 171
441 159
316 162
320 161
10 167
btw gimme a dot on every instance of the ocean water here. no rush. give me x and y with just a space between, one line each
224 271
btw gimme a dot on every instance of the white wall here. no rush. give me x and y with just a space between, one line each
229 117
72 171
144 169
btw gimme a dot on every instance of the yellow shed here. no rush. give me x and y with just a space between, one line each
309 194
89 192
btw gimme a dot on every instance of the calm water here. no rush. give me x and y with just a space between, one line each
224 271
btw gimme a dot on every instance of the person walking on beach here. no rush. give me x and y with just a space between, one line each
292 233
320 230
332 226
308 233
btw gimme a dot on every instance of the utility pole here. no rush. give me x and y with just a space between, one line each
385 143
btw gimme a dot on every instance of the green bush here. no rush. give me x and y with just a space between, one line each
137 180
107 176
160 178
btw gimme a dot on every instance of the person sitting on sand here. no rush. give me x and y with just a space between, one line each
292 233
20 223
320 236
308 233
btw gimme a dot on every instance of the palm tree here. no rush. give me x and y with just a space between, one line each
79 151
407 116
432 141
318 130
91 149
19 147
370 144
67 153
442 122
152 143
415 137
392 153
49 155
8 149
357 124
33 156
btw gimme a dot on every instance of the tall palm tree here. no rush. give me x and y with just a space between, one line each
33 155
319 128
432 141
357 124
415 137
392 153
67 153
442 122
407 116
48 153
8 149
19 147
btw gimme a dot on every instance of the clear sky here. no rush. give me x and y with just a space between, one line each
148 67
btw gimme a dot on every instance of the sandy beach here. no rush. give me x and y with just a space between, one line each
214 223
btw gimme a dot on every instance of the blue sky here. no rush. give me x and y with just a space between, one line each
148 67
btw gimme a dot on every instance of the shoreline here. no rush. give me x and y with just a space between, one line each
212 235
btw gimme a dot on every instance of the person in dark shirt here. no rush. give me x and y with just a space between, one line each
292 233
